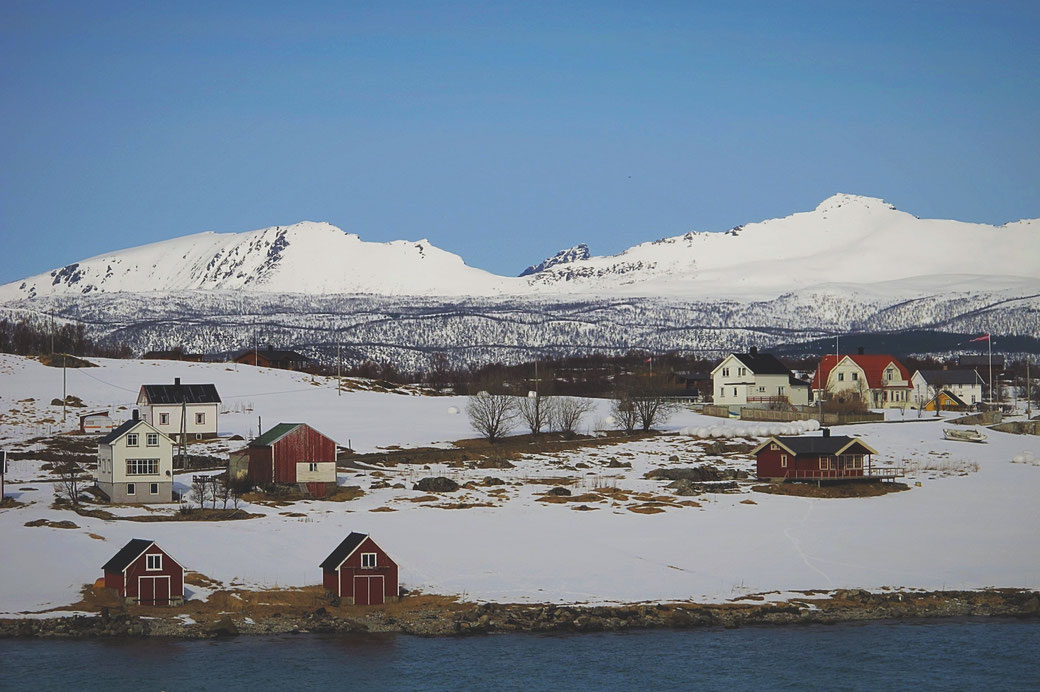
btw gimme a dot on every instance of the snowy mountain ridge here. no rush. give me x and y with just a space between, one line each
846 239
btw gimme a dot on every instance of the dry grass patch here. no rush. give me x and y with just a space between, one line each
382 509
748 502
565 499
96 537
646 508
462 505
832 490
63 524
424 498
551 480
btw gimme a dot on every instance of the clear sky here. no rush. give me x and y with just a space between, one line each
503 131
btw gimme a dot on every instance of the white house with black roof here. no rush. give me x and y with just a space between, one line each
166 405
756 380
963 383
135 464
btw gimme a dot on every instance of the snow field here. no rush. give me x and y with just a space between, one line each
962 528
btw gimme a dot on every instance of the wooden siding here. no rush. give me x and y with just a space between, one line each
303 444
352 568
128 587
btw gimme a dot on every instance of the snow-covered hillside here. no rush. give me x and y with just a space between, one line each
846 239
306 257
573 254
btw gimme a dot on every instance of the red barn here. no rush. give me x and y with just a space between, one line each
293 453
828 457
144 573
359 571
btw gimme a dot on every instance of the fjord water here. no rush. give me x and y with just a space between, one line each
966 654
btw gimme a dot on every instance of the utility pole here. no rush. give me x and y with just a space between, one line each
339 368
64 390
1029 393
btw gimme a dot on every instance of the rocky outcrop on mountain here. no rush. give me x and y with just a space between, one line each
573 254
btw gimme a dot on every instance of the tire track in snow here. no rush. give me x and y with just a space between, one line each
796 544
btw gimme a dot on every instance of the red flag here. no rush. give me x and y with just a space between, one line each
984 337
649 360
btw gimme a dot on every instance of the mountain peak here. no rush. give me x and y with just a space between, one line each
846 201
572 254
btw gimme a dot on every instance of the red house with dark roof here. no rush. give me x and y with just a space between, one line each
819 458
360 572
144 573
879 379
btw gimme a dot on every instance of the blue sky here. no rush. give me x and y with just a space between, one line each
503 131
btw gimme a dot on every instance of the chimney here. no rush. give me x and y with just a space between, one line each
176 382
136 415
826 432
270 347
753 350
859 350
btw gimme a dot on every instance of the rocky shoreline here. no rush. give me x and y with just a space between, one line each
486 618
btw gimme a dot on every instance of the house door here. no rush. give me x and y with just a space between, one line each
368 590
153 590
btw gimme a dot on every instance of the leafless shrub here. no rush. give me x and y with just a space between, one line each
492 415
568 412
536 411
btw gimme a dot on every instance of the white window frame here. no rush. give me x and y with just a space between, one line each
164 419
150 560
312 466
134 466
369 560
855 376
841 377
132 440
153 488
725 372
131 488
774 446
200 418
783 461
148 439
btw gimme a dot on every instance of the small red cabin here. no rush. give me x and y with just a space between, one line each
294 453
359 572
819 459
144 573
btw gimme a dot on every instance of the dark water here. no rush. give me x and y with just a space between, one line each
968 655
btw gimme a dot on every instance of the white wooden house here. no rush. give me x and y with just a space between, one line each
166 405
880 380
756 380
135 464
965 384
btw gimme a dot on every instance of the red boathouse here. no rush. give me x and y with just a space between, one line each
144 573
359 572
294 453
824 458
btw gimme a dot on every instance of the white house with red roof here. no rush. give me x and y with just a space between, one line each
880 379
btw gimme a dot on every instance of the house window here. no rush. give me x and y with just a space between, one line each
153 488
142 467
200 419
761 389
131 440
722 391
774 446
312 466
725 372
741 371
368 560
855 376
888 374
825 463
153 563
131 488
734 391
152 439
164 419
841 377
783 461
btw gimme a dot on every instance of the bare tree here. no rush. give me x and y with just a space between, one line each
623 410
567 414
652 407
70 482
491 415
200 490
536 411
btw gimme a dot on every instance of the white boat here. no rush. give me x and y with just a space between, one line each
967 435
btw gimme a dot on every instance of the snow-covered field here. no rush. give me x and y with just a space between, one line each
961 528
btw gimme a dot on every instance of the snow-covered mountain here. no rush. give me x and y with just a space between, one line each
846 240
573 254
307 257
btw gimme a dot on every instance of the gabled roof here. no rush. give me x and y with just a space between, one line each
758 363
796 382
872 364
93 413
941 377
949 395
181 393
344 550
274 434
127 554
818 444
124 429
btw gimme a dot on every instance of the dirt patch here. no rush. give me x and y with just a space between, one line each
646 508
565 499
383 509
462 505
345 493
63 524
61 360
832 490
424 498
96 537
